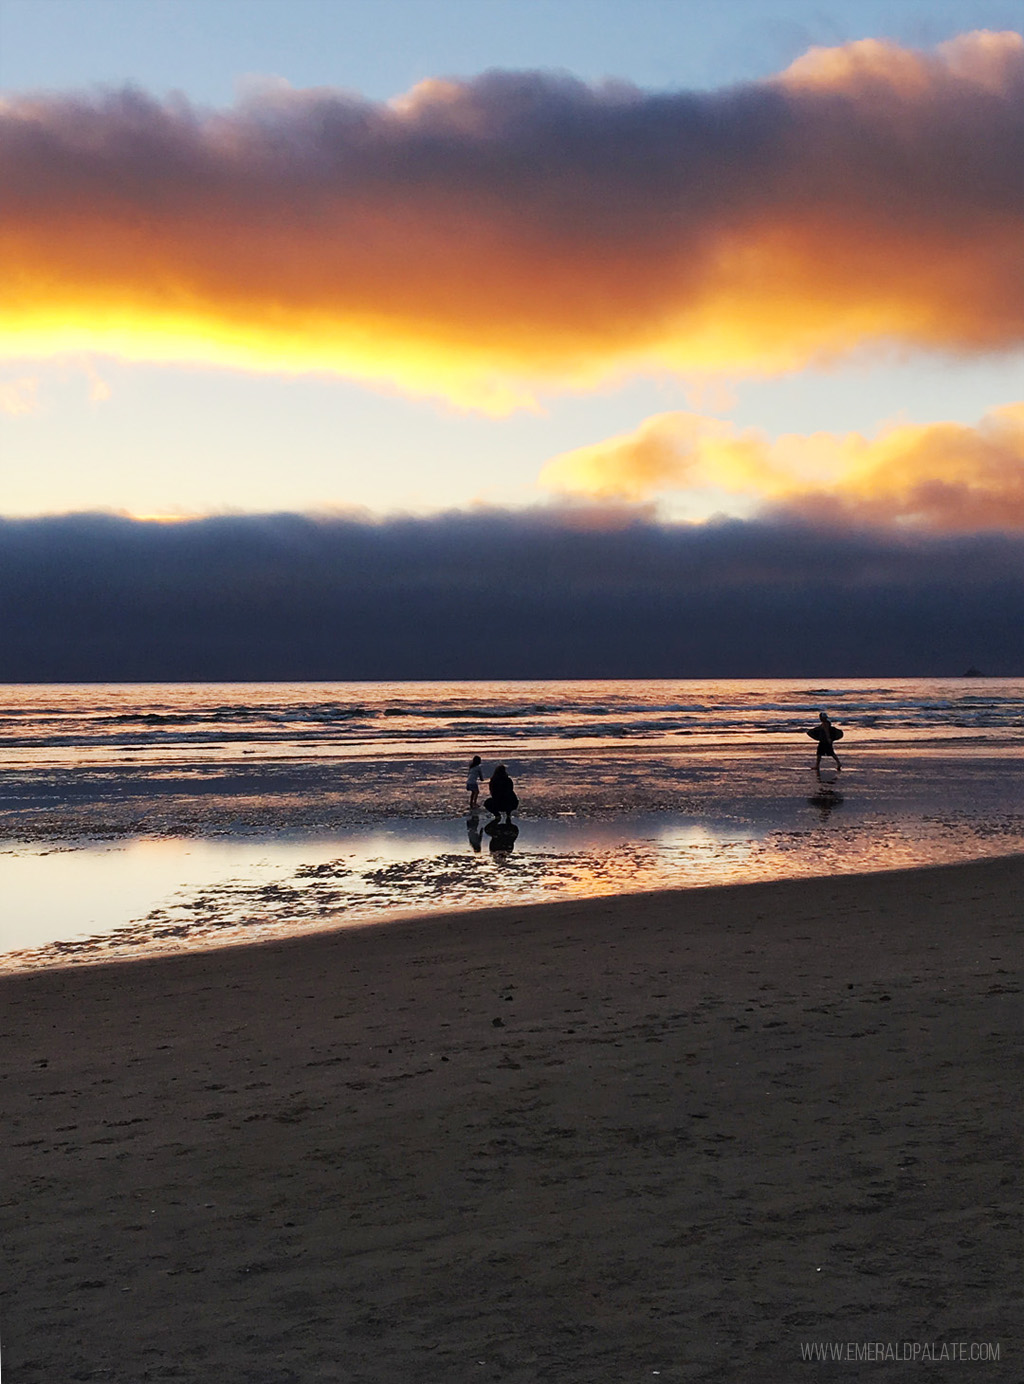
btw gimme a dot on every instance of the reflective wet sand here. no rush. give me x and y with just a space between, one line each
123 869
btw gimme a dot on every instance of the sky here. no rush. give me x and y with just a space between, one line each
605 266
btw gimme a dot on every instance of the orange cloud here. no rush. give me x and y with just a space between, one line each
482 240
937 476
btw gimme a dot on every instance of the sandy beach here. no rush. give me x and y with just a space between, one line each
676 1135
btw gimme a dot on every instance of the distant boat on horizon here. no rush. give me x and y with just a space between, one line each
973 672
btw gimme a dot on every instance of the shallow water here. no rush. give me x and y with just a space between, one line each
749 817
142 818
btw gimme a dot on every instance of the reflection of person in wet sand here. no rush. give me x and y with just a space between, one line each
825 800
502 837
825 734
476 836
503 795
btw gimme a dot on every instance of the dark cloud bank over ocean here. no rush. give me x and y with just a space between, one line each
494 594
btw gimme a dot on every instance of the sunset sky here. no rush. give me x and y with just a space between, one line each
414 255
544 266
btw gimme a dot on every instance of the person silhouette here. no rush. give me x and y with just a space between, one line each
473 780
503 794
826 734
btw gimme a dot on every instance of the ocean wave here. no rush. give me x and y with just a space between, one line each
245 715
66 725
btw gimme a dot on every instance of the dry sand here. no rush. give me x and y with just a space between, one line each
663 1137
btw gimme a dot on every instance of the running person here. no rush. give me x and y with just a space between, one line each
826 734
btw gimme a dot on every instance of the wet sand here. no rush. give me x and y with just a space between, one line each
667 1136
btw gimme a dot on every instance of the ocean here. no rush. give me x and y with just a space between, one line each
139 818
189 724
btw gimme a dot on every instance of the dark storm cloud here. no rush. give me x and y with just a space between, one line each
585 593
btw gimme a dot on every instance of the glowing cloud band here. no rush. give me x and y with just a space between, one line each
486 239
942 476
